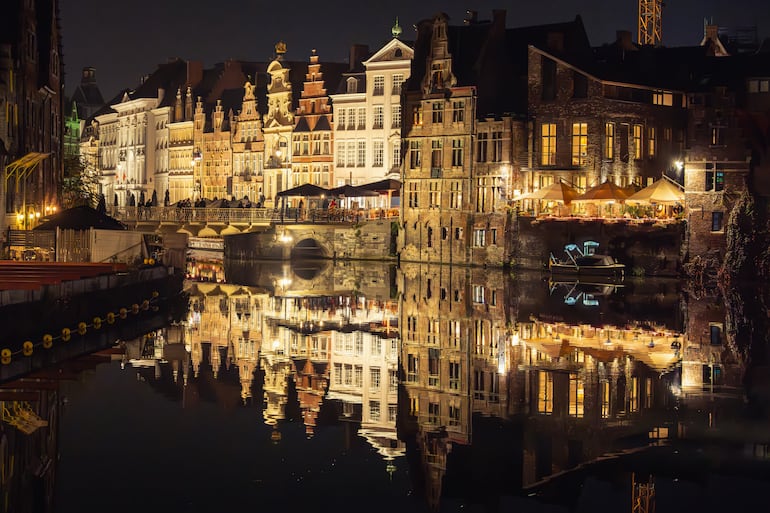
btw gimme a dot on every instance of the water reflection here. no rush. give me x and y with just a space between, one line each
467 387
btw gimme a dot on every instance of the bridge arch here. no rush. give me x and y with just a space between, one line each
309 247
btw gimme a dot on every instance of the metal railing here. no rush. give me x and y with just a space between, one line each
245 216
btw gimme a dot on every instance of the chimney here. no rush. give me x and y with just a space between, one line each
623 40
194 73
89 75
555 41
498 18
358 53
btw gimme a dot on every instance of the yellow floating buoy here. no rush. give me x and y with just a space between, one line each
145 304
82 327
123 312
155 293
47 341
135 308
97 323
110 318
5 356
27 347
66 334
150 261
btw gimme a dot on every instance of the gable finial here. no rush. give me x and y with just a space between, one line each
396 30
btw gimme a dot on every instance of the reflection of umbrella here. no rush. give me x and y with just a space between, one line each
662 192
559 191
607 192
351 191
307 190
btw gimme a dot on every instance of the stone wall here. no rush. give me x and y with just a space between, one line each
647 249
369 240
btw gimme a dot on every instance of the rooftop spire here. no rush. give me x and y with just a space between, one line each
396 30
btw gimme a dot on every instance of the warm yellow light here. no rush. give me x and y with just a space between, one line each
20 217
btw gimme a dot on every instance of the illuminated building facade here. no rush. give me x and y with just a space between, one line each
31 103
461 143
588 130
312 136
368 116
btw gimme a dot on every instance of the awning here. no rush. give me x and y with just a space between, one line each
22 167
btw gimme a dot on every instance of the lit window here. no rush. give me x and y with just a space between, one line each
579 144
651 148
544 392
662 98
479 238
395 115
609 141
637 135
379 153
548 144
379 85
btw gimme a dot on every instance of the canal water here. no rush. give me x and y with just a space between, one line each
366 387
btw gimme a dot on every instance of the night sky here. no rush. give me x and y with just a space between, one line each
124 41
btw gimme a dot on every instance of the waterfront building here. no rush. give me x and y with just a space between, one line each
133 134
367 111
277 127
248 146
462 138
312 137
603 121
31 103
181 156
727 135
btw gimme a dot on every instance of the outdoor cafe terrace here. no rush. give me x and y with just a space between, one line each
661 203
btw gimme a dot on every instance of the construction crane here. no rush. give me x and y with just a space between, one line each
650 22
642 495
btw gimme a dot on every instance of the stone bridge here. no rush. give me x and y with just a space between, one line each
274 234
364 240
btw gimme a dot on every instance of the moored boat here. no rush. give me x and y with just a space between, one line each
586 262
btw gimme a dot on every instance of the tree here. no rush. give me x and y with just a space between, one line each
79 186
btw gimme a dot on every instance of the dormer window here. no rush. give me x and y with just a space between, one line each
352 85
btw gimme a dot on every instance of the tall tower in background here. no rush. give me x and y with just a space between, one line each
650 22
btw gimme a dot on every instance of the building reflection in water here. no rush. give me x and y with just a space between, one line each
480 385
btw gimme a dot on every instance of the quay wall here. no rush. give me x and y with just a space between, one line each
647 249
28 315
